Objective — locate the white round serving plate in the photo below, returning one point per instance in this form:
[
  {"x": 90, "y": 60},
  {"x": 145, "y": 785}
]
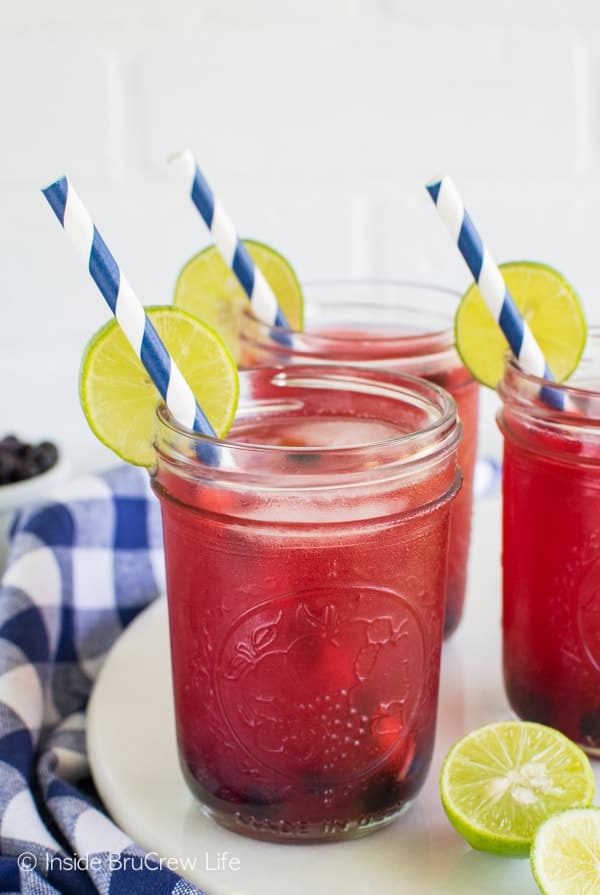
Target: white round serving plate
[{"x": 134, "y": 762}]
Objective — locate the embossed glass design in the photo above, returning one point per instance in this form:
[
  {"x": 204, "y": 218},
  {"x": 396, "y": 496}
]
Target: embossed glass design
[
  {"x": 401, "y": 326},
  {"x": 306, "y": 580},
  {"x": 551, "y": 552}
]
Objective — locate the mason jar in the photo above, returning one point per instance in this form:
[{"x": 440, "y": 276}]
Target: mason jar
[
  {"x": 306, "y": 561},
  {"x": 551, "y": 548}
]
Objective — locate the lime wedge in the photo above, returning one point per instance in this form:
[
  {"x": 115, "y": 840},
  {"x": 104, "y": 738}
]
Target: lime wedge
[
  {"x": 550, "y": 307},
  {"x": 565, "y": 857},
  {"x": 208, "y": 289},
  {"x": 119, "y": 400},
  {"x": 500, "y": 782}
]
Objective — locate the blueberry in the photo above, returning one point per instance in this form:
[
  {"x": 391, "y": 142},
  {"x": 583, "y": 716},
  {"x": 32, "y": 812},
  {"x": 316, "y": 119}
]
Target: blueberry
[
  {"x": 45, "y": 455},
  {"x": 381, "y": 794},
  {"x": 7, "y": 464},
  {"x": 254, "y": 797},
  {"x": 16, "y": 474},
  {"x": 7, "y": 454},
  {"x": 25, "y": 452},
  {"x": 10, "y": 443},
  {"x": 27, "y": 469},
  {"x": 306, "y": 458}
]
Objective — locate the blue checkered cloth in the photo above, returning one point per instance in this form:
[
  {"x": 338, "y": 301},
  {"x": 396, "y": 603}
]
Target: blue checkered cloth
[{"x": 78, "y": 572}]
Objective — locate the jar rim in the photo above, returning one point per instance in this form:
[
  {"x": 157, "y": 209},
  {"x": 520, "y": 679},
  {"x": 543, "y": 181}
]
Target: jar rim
[
  {"x": 582, "y": 401},
  {"x": 433, "y": 336},
  {"x": 428, "y": 409},
  {"x": 304, "y": 375}
]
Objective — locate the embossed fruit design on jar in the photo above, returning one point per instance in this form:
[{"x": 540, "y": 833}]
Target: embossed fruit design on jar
[
  {"x": 551, "y": 552},
  {"x": 352, "y": 659},
  {"x": 306, "y": 580}
]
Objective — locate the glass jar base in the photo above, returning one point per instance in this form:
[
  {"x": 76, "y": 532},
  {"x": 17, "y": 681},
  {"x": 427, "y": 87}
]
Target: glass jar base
[
  {"x": 334, "y": 830},
  {"x": 531, "y": 702}
]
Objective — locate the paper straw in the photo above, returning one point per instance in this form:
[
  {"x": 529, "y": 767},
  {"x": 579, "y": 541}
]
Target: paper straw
[
  {"x": 491, "y": 285},
  {"x": 128, "y": 311},
  {"x": 234, "y": 252}
]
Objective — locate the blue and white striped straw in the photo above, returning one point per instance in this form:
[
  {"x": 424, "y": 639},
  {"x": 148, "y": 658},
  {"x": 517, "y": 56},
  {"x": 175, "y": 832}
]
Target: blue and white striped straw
[
  {"x": 128, "y": 311},
  {"x": 492, "y": 285},
  {"x": 234, "y": 252}
]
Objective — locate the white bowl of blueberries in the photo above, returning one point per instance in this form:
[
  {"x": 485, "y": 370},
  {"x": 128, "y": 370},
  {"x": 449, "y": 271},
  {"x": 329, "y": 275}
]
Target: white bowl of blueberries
[{"x": 27, "y": 470}]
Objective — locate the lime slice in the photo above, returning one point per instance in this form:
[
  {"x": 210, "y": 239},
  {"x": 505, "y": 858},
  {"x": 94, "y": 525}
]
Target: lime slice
[
  {"x": 119, "y": 400},
  {"x": 550, "y": 307},
  {"x": 565, "y": 857},
  {"x": 207, "y": 288},
  {"x": 500, "y": 782}
]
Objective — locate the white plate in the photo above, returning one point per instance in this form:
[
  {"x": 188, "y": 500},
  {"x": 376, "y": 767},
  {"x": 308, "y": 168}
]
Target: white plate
[{"x": 134, "y": 762}]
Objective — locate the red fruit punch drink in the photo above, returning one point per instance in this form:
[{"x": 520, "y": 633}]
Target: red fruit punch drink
[
  {"x": 405, "y": 327},
  {"x": 306, "y": 576},
  {"x": 551, "y": 554}
]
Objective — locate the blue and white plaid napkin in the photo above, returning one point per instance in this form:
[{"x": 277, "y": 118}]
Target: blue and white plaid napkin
[{"x": 79, "y": 571}]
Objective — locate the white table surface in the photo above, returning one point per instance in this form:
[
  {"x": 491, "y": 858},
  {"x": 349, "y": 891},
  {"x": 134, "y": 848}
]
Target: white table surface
[{"x": 132, "y": 750}]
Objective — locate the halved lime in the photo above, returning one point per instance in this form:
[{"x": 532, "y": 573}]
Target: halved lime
[
  {"x": 500, "y": 782},
  {"x": 207, "y": 288},
  {"x": 119, "y": 399},
  {"x": 550, "y": 307},
  {"x": 565, "y": 857}
]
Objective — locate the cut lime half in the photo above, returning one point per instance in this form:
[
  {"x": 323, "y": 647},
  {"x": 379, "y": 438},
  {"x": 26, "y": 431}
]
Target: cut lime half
[
  {"x": 119, "y": 399},
  {"x": 550, "y": 307},
  {"x": 565, "y": 857},
  {"x": 500, "y": 782},
  {"x": 208, "y": 289}
]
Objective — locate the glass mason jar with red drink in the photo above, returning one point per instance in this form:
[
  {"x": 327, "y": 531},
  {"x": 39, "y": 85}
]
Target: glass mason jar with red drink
[
  {"x": 401, "y": 326},
  {"x": 306, "y": 577},
  {"x": 551, "y": 549}
]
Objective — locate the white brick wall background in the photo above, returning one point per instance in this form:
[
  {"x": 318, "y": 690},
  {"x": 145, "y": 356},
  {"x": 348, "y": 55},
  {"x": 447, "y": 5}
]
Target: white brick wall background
[{"x": 318, "y": 122}]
